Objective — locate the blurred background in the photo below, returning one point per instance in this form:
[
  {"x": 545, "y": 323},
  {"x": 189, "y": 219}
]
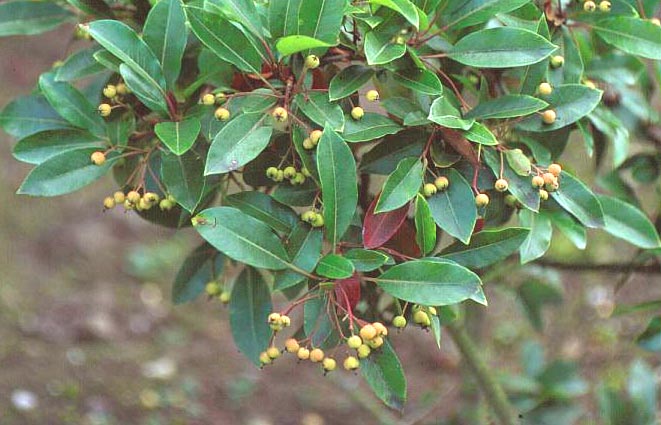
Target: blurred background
[{"x": 88, "y": 334}]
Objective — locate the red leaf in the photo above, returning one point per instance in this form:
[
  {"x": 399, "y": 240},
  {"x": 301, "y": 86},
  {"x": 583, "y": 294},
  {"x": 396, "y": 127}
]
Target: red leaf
[
  {"x": 404, "y": 240},
  {"x": 379, "y": 228},
  {"x": 348, "y": 289}
]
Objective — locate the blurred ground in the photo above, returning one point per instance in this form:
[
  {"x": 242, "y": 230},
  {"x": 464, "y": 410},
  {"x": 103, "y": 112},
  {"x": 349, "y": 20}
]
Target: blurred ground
[{"x": 85, "y": 341}]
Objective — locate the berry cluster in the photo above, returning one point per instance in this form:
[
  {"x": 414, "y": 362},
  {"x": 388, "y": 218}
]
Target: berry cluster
[
  {"x": 133, "y": 200},
  {"x": 313, "y": 217},
  {"x": 290, "y": 173},
  {"x": 115, "y": 94},
  {"x": 216, "y": 290}
]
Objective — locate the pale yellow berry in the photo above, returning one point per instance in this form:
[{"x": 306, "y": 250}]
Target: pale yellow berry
[
  {"x": 589, "y": 6},
  {"x": 291, "y": 345},
  {"x": 548, "y": 116},
  {"x": 375, "y": 342},
  {"x": 555, "y": 169},
  {"x": 429, "y": 189},
  {"x": 543, "y": 195},
  {"x": 105, "y": 109},
  {"x": 280, "y": 114},
  {"x": 289, "y": 172},
  {"x": 545, "y": 89},
  {"x": 307, "y": 144},
  {"x": 372, "y": 95},
  {"x": 538, "y": 181},
  {"x": 590, "y": 84},
  {"x": 98, "y": 158},
  {"x": 380, "y": 328},
  {"x": 311, "y": 62},
  {"x": 315, "y": 136},
  {"x": 273, "y": 352},
  {"x": 364, "y": 351},
  {"x": 357, "y": 112},
  {"x": 557, "y": 61},
  {"x": 329, "y": 364},
  {"x": 354, "y": 341},
  {"x": 482, "y": 200},
  {"x": 133, "y": 196},
  {"x": 399, "y": 322},
  {"x": 264, "y": 358},
  {"x": 122, "y": 89},
  {"x": 441, "y": 183},
  {"x": 351, "y": 363},
  {"x": 110, "y": 91},
  {"x": 316, "y": 355},
  {"x": 368, "y": 332},
  {"x": 303, "y": 353},
  {"x": 501, "y": 185},
  {"x": 605, "y": 6},
  {"x": 208, "y": 99},
  {"x": 222, "y": 114},
  {"x": 108, "y": 202}
]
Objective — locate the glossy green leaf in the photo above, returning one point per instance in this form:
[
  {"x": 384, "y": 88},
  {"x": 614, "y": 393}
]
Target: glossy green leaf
[
  {"x": 321, "y": 19},
  {"x": 201, "y": 266},
  {"x": 297, "y": 43},
  {"x": 538, "y": 240},
  {"x": 507, "y": 106},
  {"x": 381, "y": 49},
  {"x": 518, "y": 162},
  {"x": 226, "y": 229},
  {"x": 250, "y": 306},
  {"x": 93, "y": 7},
  {"x": 401, "y": 186},
  {"x": 283, "y": 18},
  {"x": 166, "y": 34},
  {"x": 403, "y": 7},
  {"x": 635, "y": 36},
  {"x": 454, "y": 208},
  {"x": 71, "y": 104},
  {"x": 568, "y": 226},
  {"x": 627, "y": 222},
  {"x": 297, "y": 196},
  {"x": 445, "y": 114},
  {"x": 39, "y": 147},
  {"x": 238, "y": 143},
  {"x": 263, "y": 207},
  {"x": 143, "y": 88},
  {"x": 107, "y": 59},
  {"x": 577, "y": 199},
  {"x": 317, "y": 324},
  {"x": 383, "y": 373},
  {"x": 366, "y": 260},
  {"x": 429, "y": 282},
  {"x": 425, "y": 227},
  {"x": 480, "y": 133},
  {"x": 385, "y": 156},
  {"x": 29, "y": 115},
  {"x": 183, "y": 176},
  {"x": 486, "y": 247},
  {"x": 501, "y": 47},
  {"x": 335, "y": 266},
  {"x": 178, "y": 136},
  {"x": 339, "y": 186},
  {"x": 31, "y": 17},
  {"x": 348, "y": 81},
  {"x": 320, "y": 109},
  {"x": 64, "y": 173},
  {"x": 419, "y": 80},
  {"x": 242, "y": 11},
  {"x": 370, "y": 127},
  {"x": 304, "y": 248},
  {"x": 79, "y": 65},
  {"x": 466, "y": 13}
]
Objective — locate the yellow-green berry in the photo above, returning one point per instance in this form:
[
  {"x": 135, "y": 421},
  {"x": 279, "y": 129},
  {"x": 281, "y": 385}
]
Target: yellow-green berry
[
  {"x": 224, "y": 297},
  {"x": 364, "y": 351},
  {"x": 273, "y": 352},
  {"x": 289, "y": 172},
  {"x": 545, "y": 89},
  {"x": 271, "y": 172},
  {"x": 399, "y": 322},
  {"x": 368, "y": 332},
  {"x": 108, "y": 202},
  {"x": 119, "y": 197},
  {"x": 311, "y": 62},
  {"x": 372, "y": 95},
  {"x": 557, "y": 61},
  {"x": 441, "y": 183},
  {"x": 605, "y": 6},
  {"x": 357, "y": 112},
  {"x": 329, "y": 364},
  {"x": 351, "y": 363},
  {"x": 280, "y": 114},
  {"x": 315, "y": 136},
  {"x": 482, "y": 200},
  {"x": 110, "y": 91},
  {"x": 208, "y": 99},
  {"x": 213, "y": 288},
  {"x": 501, "y": 185},
  {"x": 307, "y": 144},
  {"x": 354, "y": 341},
  {"x": 429, "y": 189},
  {"x": 105, "y": 109},
  {"x": 589, "y": 6},
  {"x": 222, "y": 114},
  {"x": 98, "y": 158}
]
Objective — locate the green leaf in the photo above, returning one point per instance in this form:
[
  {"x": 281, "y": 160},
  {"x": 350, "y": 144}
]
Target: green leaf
[
  {"x": 241, "y": 11},
  {"x": 317, "y": 323},
  {"x": 650, "y": 339},
  {"x": 339, "y": 184},
  {"x": 39, "y": 147},
  {"x": 31, "y": 17},
  {"x": 419, "y": 80},
  {"x": 28, "y": 115},
  {"x": 518, "y": 162},
  {"x": 577, "y": 199},
  {"x": 202, "y": 265},
  {"x": 348, "y": 81},
  {"x": 385, "y": 156},
  {"x": 429, "y": 282},
  {"x": 486, "y": 247},
  {"x": 370, "y": 127},
  {"x": 304, "y": 248},
  {"x": 297, "y": 43},
  {"x": 297, "y": 196},
  {"x": 366, "y": 260},
  {"x": 178, "y": 136},
  {"x": 150, "y": 95},
  {"x": 93, "y": 7},
  {"x": 79, "y": 65},
  {"x": 425, "y": 227},
  {"x": 508, "y": 106},
  {"x": 166, "y": 34},
  {"x": 183, "y": 176},
  {"x": 238, "y": 143},
  {"x": 224, "y": 39},
  {"x": 571, "y": 102},
  {"x": 519, "y": 186},
  {"x": 263, "y": 207},
  {"x": 538, "y": 240},
  {"x": 403, "y": 7},
  {"x": 635, "y": 36},
  {"x": 501, "y": 47},
  {"x": 283, "y": 18},
  {"x": 320, "y": 109},
  {"x": 480, "y": 133},
  {"x": 381, "y": 49},
  {"x": 627, "y": 222},
  {"x": 454, "y": 208},
  {"x": 445, "y": 114},
  {"x": 250, "y": 306},
  {"x": 383, "y": 372},
  {"x": 335, "y": 266},
  {"x": 64, "y": 173},
  {"x": 226, "y": 229},
  {"x": 467, "y": 13},
  {"x": 107, "y": 59},
  {"x": 568, "y": 225},
  {"x": 321, "y": 19},
  {"x": 71, "y": 104},
  {"x": 401, "y": 186}
]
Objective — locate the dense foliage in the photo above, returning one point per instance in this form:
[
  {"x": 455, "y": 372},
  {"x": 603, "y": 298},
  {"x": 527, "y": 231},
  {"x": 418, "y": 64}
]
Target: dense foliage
[{"x": 369, "y": 160}]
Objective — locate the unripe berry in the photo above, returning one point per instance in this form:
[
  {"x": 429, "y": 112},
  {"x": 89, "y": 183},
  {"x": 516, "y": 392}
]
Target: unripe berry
[
  {"x": 151, "y": 197},
  {"x": 590, "y": 84},
  {"x": 317, "y": 221},
  {"x": 224, "y": 297},
  {"x": 372, "y": 95},
  {"x": 511, "y": 201},
  {"x": 222, "y": 114},
  {"x": 315, "y": 136},
  {"x": 501, "y": 185},
  {"x": 122, "y": 89},
  {"x": 213, "y": 288},
  {"x": 285, "y": 320},
  {"x": 273, "y": 352},
  {"x": 557, "y": 61},
  {"x": 555, "y": 169},
  {"x": 380, "y": 328},
  {"x": 303, "y": 353},
  {"x": 364, "y": 351},
  {"x": 98, "y": 158},
  {"x": 264, "y": 358},
  {"x": 280, "y": 114},
  {"x": 299, "y": 178},
  {"x": 368, "y": 332},
  {"x": 545, "y": 89},
  {"x": 354, "y": 341},
  {"x": 589, "y": 6},
  {"x": 307, "y": 144},
  {"x": 399, "y": 322},
  {"x": 308, "y": 216},
  {"x": 110, "y": 91},
  {"x": 553, "y": 186},
  {"x": 329, "y": 364},
  {"x": 441, "y": 183},
  {"x": 311, "y": 62},
  {"x": 432, "y": 310},
  {"x": 166, "y": 205},
  {"x": 109, "y": 203},
  {"x": 273, "y": 318},
  {"x": 306, "y": 172},
  {"x": 133, "y": 196},
  {"x": 543, "y": 195},
  {"x": 316, "y": 355},
  {"x": 291, "y": 345},
  {"x": 538, "y": 181},
  {"x": 271, "y": 172},
  {"x": 289, "y": 172},
  {"x": 208, "y": 99},
  {"x": 549, "y": 178},
  {"x": 482, "y": 200},
  {"x": 128, "y": 205},
  {"x": 220, "y": 98},
  {"x": 105, "y": 109},
  {"x": 119, "y": 197},
  {"x": 605, "y": 6},
  {"x": 351, "y": 363},
  {"x": 656, "y": 21},
  {"x": 548, "y": 116},
  {"x": 429, "y": 189},
  {"x": 375, "y": 343},
  {"x": 400, "y": 40},
  {"x": 143, "y": 205},
  {"x": 421, "y": 318},
  {"x": 357, "y": 113},
  {"x": 280, "y": 176}
]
